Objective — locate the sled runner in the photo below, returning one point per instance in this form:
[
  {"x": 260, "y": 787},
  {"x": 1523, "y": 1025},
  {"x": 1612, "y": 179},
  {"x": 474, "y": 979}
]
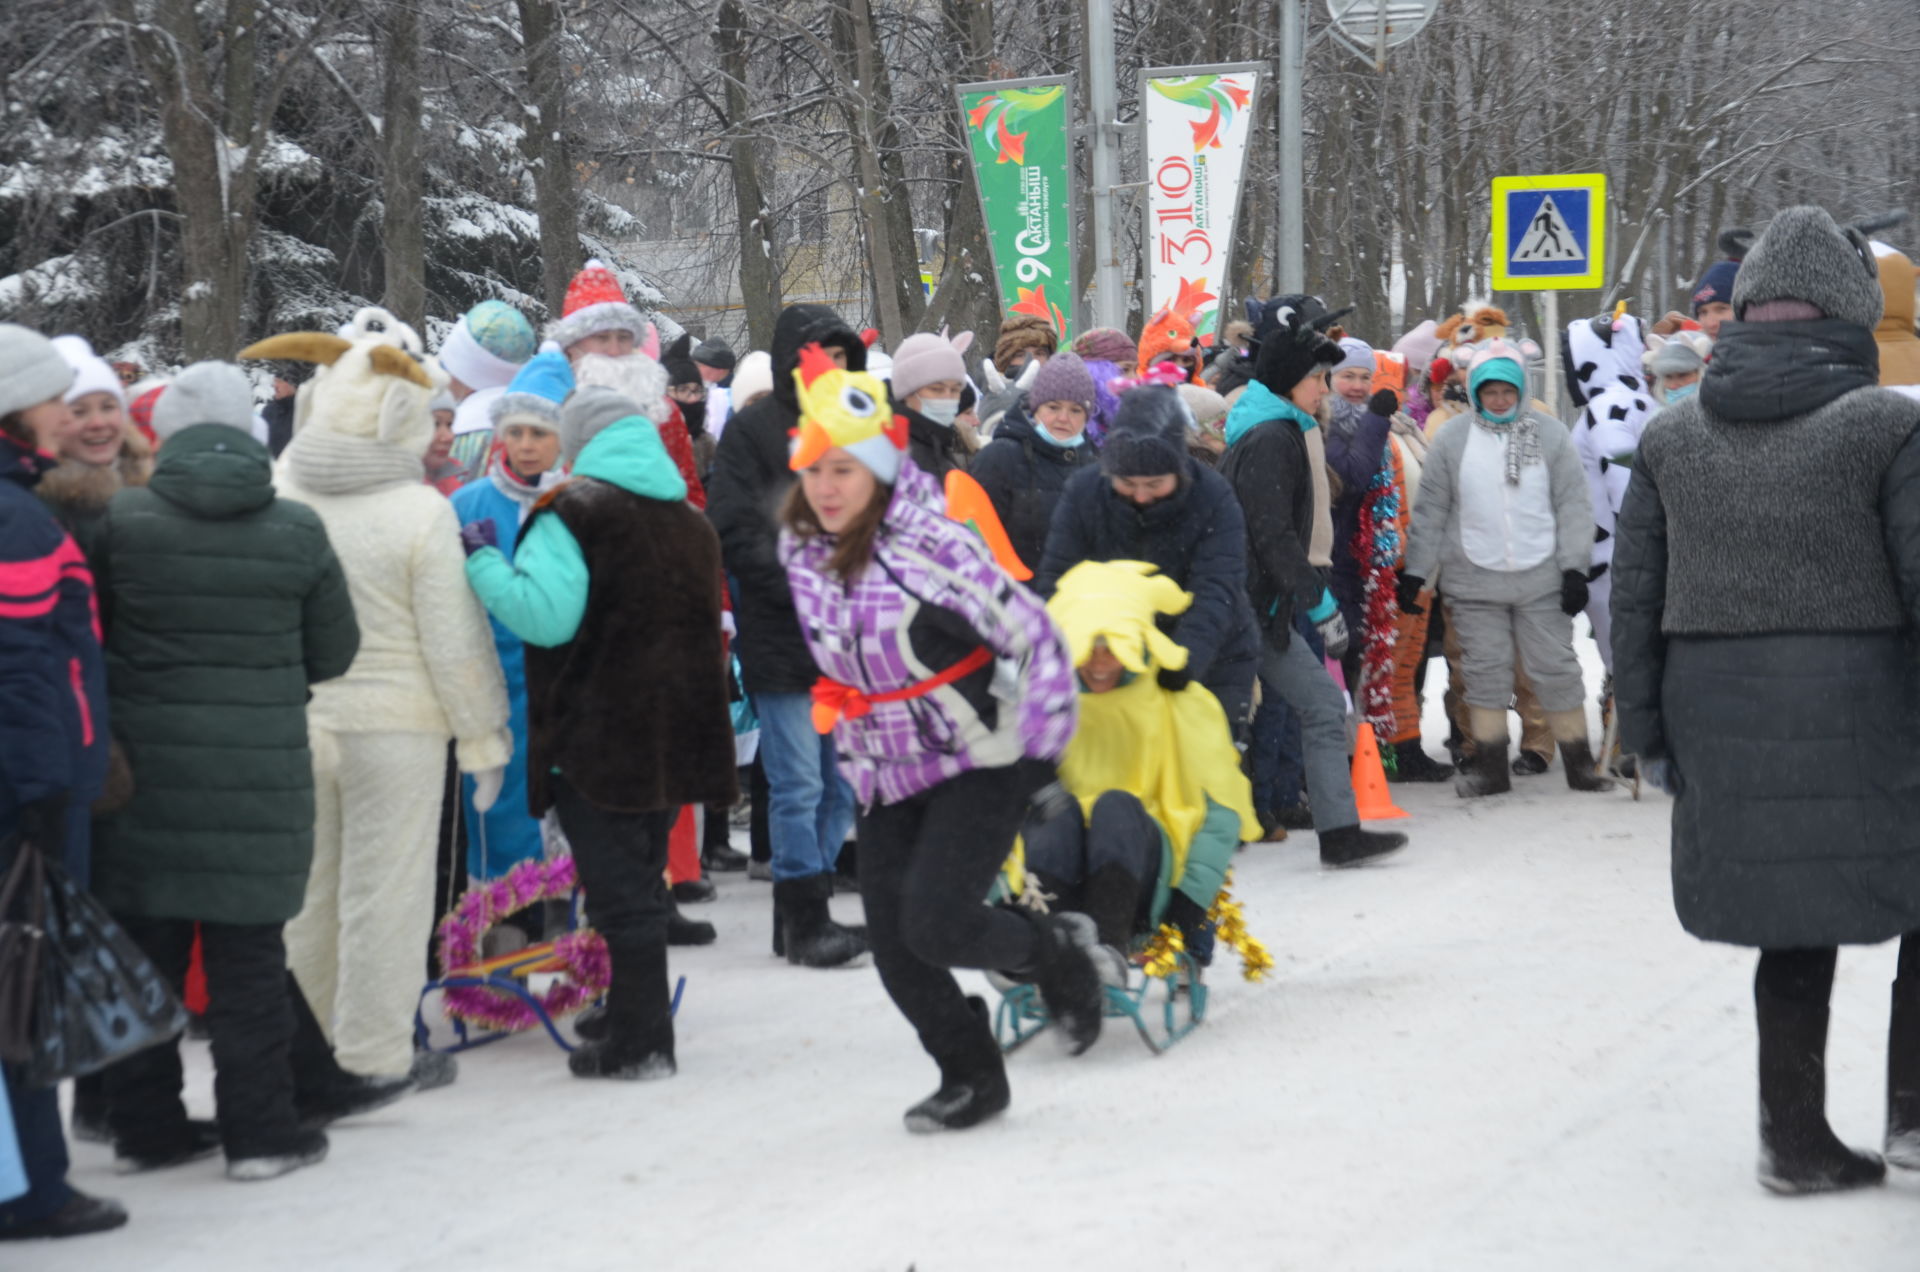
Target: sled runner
[
  {"x": 508, "y": 975},
  {"x": 1181, "y": 1006}
]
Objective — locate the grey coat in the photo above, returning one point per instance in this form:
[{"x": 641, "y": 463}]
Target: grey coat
[
  {"x": 1789, "y": 702},
  {"x": 1437, "y": 552}
]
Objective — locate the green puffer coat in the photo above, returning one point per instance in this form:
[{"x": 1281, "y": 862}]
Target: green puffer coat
[{"x": 222, "y": 605}]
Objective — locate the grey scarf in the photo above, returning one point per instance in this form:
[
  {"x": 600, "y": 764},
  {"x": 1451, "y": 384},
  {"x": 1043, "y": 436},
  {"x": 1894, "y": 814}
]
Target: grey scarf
[
  {"x": 1523, "y": 439},
  {"x": 335, "y": 464}
]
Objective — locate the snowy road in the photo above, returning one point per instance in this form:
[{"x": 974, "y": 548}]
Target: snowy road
[{"x": 1498, "y": 1051}]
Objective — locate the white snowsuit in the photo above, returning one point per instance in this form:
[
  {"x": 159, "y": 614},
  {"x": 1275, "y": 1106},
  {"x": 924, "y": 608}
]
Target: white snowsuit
[
  {"x": 426, "y": 672},
  {"x": 1608, "y": 373}
]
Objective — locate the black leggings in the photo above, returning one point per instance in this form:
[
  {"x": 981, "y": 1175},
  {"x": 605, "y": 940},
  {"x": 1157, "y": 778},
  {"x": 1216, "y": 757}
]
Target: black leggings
[
  {"x": 926, "y": 866},
  {"x": 1806, "y": 975}
]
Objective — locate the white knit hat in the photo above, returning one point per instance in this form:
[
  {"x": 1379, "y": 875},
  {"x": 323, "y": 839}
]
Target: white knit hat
[
  {"x": 753, "y": 375},
  {"x": 91, "y": 374},
  {"x": 31, "y": 369}
]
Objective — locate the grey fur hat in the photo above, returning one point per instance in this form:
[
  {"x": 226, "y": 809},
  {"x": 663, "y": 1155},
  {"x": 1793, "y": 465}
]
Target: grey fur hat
[{"x": 1804, "y": 255}]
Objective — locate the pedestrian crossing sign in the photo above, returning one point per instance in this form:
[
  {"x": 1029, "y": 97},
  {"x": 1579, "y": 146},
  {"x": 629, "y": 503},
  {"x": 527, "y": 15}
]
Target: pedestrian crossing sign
[{"x": 1550, "y": 232}]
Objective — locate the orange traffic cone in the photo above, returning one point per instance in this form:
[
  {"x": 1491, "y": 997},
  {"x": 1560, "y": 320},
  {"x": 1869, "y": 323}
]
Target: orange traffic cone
[{"x": 1370, "y": 792}]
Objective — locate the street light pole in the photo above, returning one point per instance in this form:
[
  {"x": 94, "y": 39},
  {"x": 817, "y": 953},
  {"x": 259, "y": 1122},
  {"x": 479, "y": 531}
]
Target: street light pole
[
  {"x": 1291, "y": 262},
  {"x": 1109, "y": 305}
]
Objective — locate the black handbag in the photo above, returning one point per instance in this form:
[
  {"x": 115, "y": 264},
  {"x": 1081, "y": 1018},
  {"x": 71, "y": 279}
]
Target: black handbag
[
  {"x": 22, "y": 936},
  {"x": 97, "y": 998}
]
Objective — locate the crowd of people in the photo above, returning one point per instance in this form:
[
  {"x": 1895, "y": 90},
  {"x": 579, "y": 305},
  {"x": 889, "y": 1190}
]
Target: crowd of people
[{"x": 278, "y": 683}]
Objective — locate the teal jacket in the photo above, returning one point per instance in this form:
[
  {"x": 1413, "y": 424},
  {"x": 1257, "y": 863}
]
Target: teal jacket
[
  {"x": 1209, "y": 857},
  {"x": 541, "y": 594}
]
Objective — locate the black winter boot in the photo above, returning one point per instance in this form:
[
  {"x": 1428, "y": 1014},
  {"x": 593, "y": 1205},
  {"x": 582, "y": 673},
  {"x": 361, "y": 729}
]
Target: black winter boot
[
  {"x": 682, "y": 930},
  {"x": 638, "y": 1045},
  {"x": 803, "y": 928},
  {"x": 973, "y": 1082},
  {"x": 1411, "y": 763},
  {"x": 197, "y": 1139},
  {"x": 1111, "y": 898},
  {"x": 1903, "y": 1075},
  {"x": 1799, "y": 1153},
  {"x": 1485, "y": 772},
  {"x": 323, "y": 1092},
  {"x": 1069, "y": 980},
  {"x": 79, "y": 1216},
  {"x": 270, "y": 1161},
  {"x": 1531, "y": 764},
  {"x": 1581, "y": 775},
  {"x": 1346, "y": 846},
  {"x": 89, "y": 1123}
]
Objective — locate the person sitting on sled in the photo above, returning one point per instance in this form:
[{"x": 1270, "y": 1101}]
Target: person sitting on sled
[{"x": 1158, "y": 801}]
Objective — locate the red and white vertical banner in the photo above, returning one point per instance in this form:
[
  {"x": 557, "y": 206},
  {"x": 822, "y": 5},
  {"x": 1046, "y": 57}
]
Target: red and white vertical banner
[{"x": 1197, "y": 121}]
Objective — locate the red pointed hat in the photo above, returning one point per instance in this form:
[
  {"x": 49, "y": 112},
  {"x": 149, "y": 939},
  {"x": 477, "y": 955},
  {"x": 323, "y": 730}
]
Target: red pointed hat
[{"x": 596, "y": 303}]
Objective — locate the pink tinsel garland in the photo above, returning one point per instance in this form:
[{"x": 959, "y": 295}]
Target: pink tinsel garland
[{"x": 588, "y": 970}]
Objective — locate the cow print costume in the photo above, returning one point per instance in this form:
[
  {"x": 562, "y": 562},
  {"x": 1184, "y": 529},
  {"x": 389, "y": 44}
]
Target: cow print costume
[{"x": 1605, "y": 375}]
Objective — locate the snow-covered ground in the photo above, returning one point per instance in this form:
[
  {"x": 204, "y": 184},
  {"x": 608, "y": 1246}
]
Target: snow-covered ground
[{"x": 1497, "y": 1051}]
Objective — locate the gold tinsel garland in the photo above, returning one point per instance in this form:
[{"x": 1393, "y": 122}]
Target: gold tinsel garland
[{"x": 1161, "y": 956}]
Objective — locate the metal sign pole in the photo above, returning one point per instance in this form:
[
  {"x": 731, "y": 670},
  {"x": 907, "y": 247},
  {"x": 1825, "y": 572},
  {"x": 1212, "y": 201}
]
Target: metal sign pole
[{"x": 1551, "y": 348}]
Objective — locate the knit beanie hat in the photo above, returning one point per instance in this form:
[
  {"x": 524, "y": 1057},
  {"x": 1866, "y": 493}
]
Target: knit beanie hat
[
  {"x": 1805, "y": 256},
  {"x": 1291, "y": 350},
  {"x": 677, "y": 361},
  {"x": 487, "y": 345},
  {"x": 1023, "y": 336},
  {"x": 91, "y": 374},
  {"x": 442, "y": 401},
  {"x": 1355, "y": 355},
  {"x": 927, "y": 359},
  {"x": 754, "y": 375},
  {"x": 714, "y": 353},
  {"x": 205, "y": 393},
  {"x": 1064, "y": 378},
  {"x": 1715, "y": 286},
  {"x": 537, "y": 391},
  {"x": 596, "y": 303},
  {"x": 1208, "y": 409},
  {"x": 1108, "y": 344},
  {"x": 1676, "y": 356},
  {"x": 636, "y": 376},
  {"x": 31, "y": 369},
  {"x": 1148, "y": 437}
]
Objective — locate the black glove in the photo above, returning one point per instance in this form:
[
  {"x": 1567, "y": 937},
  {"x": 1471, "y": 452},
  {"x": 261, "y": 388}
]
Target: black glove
[
  {"x": 1333, "y": 633},
  {"x": 1408, "y": 594},
  {"x": 43, "y": 824},
  {"x": 1384, "y": 403},
  {"x": 1047, "y": 798},
  {"x": 1573, "y": 592},
  {"x": 1174, "y": 681}
]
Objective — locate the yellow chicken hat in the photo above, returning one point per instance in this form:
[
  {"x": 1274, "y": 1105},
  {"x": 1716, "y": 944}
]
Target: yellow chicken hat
[
  {"x": 848, "y": 409},
  {"x": 1118, "y": 601}
]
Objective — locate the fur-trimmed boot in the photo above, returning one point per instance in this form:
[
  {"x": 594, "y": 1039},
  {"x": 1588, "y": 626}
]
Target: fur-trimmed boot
[
  {"x": 1570, "y": 731},
  {"x": 1487, "y": 771},
  {"x": 973, "y": 1081}
]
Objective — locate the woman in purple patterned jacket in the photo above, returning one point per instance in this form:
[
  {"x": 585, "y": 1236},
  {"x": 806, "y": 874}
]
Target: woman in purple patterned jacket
[{"x": 950, "y": 694}]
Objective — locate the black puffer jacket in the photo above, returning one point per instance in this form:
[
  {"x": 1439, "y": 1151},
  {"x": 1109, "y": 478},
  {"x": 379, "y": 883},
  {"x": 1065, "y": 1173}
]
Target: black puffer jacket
[
  {"x": 1025, "y": 476},
  {"x": 935, "y": 449},
  {"x": 750, "y": 481},
  {"x": 1196, "y": 536},
  {"x": 1766, "y": 599}
]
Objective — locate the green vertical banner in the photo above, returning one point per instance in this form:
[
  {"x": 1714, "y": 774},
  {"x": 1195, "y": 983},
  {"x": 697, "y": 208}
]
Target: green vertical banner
[{"x": 1018, "y": 132}]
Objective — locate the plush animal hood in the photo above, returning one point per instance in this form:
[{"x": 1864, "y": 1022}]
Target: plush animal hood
[
  {"x": 1603, "y": 351},
  {"x": 374, "y": 382}
]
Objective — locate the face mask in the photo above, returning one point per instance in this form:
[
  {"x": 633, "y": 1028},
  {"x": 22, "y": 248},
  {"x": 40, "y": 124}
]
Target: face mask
[
  {"x": 1078, "y": 439},
  {"x": 942, "y": 411},
  {"x": 1682, "y": 393},
  {"x": 695, "y": 416}
]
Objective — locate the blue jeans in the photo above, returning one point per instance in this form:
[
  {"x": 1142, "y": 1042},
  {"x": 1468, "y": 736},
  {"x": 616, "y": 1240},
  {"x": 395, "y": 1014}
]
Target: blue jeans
[{"x": 811, "y": 807}]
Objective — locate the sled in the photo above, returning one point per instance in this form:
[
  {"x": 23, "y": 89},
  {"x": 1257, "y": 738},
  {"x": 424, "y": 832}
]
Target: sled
[
  {"x": 1612, "y": 761},
  {"x": 1182, "y": 1006},
  {"x": 507, "y": 974}
]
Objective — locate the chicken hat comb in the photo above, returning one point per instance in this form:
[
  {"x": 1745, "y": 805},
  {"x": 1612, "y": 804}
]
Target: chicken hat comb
[
  {"x": 848, "y": 409},
  {"x": 1119, "y": 602}
]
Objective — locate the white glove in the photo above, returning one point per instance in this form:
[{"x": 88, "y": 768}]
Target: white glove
[{"x": 486, "y": 788}]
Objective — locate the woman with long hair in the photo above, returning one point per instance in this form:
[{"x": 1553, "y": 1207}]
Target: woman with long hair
[{"x": 949, "y": 694}]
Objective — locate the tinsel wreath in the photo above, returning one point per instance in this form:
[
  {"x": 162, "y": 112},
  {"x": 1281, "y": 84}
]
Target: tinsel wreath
[
  {"x": 1161, "y": 957},
  {"x": 583, "y": 953},
  {"x": 1376, "y": 546}
]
